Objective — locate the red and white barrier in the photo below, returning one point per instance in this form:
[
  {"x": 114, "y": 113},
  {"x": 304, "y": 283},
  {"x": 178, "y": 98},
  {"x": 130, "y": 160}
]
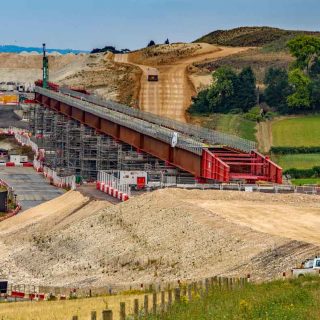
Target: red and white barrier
[
  {"x": 112, "y": 186},
  {"x": 60, "y": 182},
  {"x": 12, "y": 164}
]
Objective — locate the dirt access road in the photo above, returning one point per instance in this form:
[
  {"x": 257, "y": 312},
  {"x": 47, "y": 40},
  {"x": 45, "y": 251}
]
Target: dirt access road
[{"x": 171, "y": 95}]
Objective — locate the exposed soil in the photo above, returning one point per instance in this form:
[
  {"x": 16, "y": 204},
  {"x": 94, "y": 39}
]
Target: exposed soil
[
  {"x": 162, "y": 236},
  {"x": 171, "y": 95},
  {"x": 95, "y": 72},
  {"x": 264, "y": 136}
]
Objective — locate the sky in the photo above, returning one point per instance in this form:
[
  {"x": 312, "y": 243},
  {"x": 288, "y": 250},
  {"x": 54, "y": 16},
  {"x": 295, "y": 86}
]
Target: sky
[{"x": 88, "y": 24}]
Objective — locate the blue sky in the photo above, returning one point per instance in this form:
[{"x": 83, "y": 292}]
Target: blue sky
[{"x": 85, "y": 24}]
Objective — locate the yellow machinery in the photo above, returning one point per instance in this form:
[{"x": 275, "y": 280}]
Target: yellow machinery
[{"x": 9, "y": 99}]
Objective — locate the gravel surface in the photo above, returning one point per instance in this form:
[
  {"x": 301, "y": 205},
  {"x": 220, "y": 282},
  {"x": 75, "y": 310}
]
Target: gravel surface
[
  {"x": 161, "y": 236},
  {"x": 31, "y": 188}
]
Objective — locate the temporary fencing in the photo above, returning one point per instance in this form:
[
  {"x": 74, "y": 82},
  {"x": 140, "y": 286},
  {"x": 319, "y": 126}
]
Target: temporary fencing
[
  {"x": 60, "y": 182},
  {"x": 111, "y": 185},
  {"x": 23, "y": 139}
]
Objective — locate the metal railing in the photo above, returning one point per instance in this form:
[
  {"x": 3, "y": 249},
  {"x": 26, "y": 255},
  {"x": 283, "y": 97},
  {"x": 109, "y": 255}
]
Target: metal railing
[
  {"x": 113, "y": 182},
  {"x": 153, "y": 130},
  {"x": 61, "y": 182},
  {"x": 201, "y": 134},
  {"x": 306, "y": 189}
]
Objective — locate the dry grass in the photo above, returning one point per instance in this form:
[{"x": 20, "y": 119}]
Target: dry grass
[
  {"x": 258, "y": 59},
  {"x": 64, "y": 310},
  {"x": 250, "y": 36}
]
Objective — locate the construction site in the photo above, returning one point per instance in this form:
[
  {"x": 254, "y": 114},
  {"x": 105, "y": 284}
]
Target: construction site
[
  {"x": 103, "y": 153},
  {"x": 81, "y": 138}
]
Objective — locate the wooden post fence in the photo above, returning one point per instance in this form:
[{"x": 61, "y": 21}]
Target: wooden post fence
[
  {"x": 136, "y": 309},
  {"x": 122, "y": 311},
  {"x": 107, "y": 315},
  {"x": 93, "y": 315},
  {"x": 154, "y": 303},
  {"x": 146, "y": 305}
]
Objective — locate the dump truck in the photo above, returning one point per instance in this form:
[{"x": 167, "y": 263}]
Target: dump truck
[
  {"x": 308, "y": 267},
  {"x": 3, "y": 287},
  {"x": 152, "y": 75}
]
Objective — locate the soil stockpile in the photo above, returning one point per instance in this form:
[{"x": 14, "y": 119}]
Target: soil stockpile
[{"x": 161, "y": 236}]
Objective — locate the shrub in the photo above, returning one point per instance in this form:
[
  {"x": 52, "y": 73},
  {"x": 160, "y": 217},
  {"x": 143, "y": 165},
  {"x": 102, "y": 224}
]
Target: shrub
[
  {"x": 295, "y": 150},
  {"x": 254, "y": 114},
  {"x": 303, "y": 173}
]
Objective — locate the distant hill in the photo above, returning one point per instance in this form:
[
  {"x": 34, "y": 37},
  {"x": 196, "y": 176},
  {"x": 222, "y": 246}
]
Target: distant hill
[
  {"x": 251, "y": 36},
  {"x": 18, "y": 49}
]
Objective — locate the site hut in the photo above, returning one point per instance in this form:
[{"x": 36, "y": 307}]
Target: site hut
[{"x": 135, "y": 179}]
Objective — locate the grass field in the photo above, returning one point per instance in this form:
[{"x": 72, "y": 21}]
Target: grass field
[
  {"x": 298, "y": 161},
  {"x": 294, "y": 300},
  {"x": 297, "y": 132},
  {"x": 229, "y": 123}
]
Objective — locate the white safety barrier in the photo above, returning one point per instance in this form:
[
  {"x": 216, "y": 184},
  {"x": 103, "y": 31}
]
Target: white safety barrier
[
  {"x": 112, "y": 186},
  {"x": 23, "y": 139},
  {"x": 60, "y": 182}
]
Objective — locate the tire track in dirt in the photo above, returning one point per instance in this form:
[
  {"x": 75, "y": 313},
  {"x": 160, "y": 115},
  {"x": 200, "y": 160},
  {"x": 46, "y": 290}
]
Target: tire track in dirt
[
  {"x": 171, "y": 95},
  {"x": 264, "y": 136}
]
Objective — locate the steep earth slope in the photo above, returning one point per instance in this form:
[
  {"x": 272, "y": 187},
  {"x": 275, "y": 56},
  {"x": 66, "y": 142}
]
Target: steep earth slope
[
  {"x": 251, "y": 36},
  {"x": 94, "y": 72},
  {"x": 160, "y": 236},
  {"x": 171, "y": 95}
]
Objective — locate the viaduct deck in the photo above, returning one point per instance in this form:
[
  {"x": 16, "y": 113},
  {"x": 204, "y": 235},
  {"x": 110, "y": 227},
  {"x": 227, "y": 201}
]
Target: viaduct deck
[{"x": 188, "y": 147}]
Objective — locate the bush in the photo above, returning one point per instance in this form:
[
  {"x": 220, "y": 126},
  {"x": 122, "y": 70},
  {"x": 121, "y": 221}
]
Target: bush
[
  {"x": 254, "y": 114},
  {"x": 294, "y": 150},
  {"x": 303, "y": 173}
]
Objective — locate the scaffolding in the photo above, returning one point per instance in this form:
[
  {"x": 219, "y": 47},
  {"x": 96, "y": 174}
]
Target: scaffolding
[{"x": 72, "y": 148}]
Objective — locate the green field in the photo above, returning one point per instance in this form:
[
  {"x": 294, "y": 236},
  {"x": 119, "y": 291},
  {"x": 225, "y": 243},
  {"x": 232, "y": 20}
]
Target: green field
[
  {"x": 302, "y": 182},
  {"x": 280, "y": 300},
  {"x": 298, "y": 161},
  {"x": 229, "y": 123},
  {"x": 297, "y": 132}
]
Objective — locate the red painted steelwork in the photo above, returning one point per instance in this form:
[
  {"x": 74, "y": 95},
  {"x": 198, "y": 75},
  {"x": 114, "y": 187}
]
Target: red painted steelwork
[
  {"x": 213, "y": 168},
  {"x": 220, "y": 164}
]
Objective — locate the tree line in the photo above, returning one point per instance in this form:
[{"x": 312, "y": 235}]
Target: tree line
[
  {"x": 114, "y": 50},
  {"x": 286, "y": 91}
]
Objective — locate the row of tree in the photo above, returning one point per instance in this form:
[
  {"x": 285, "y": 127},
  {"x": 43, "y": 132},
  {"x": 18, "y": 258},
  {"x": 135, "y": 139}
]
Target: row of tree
[
  {"x": 152, "y": 43},
  {"x": 296, "y": 90},
  {"x": 230, "y": 92},
  {"x": 110, "y": 49},
  {"x": 115, "y": 50}
]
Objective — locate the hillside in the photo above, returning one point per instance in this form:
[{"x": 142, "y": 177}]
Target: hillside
[
  {"x": 19, "y": 49},
  {"x": 95, "y": 72},
  {"x": 162, "y": 236},
  {"x": 250, "y": 36},
  {"x": 171, "y": 95},
  {"x": 259, "y": 60}
]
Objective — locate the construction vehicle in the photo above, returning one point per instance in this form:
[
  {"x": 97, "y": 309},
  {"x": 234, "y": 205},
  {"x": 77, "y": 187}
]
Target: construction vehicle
[
  {"x": 308, "y": 267},
  {"x": 152, "y": 75},
  {"x": 3, "y": 287}
]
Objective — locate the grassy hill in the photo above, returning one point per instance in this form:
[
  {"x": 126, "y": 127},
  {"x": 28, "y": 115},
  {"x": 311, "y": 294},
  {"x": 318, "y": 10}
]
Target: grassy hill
[
  {"x": 259, "y": 59},
  {"x": 251, "y": 36},
  {"x": 278, "y": 300}
]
